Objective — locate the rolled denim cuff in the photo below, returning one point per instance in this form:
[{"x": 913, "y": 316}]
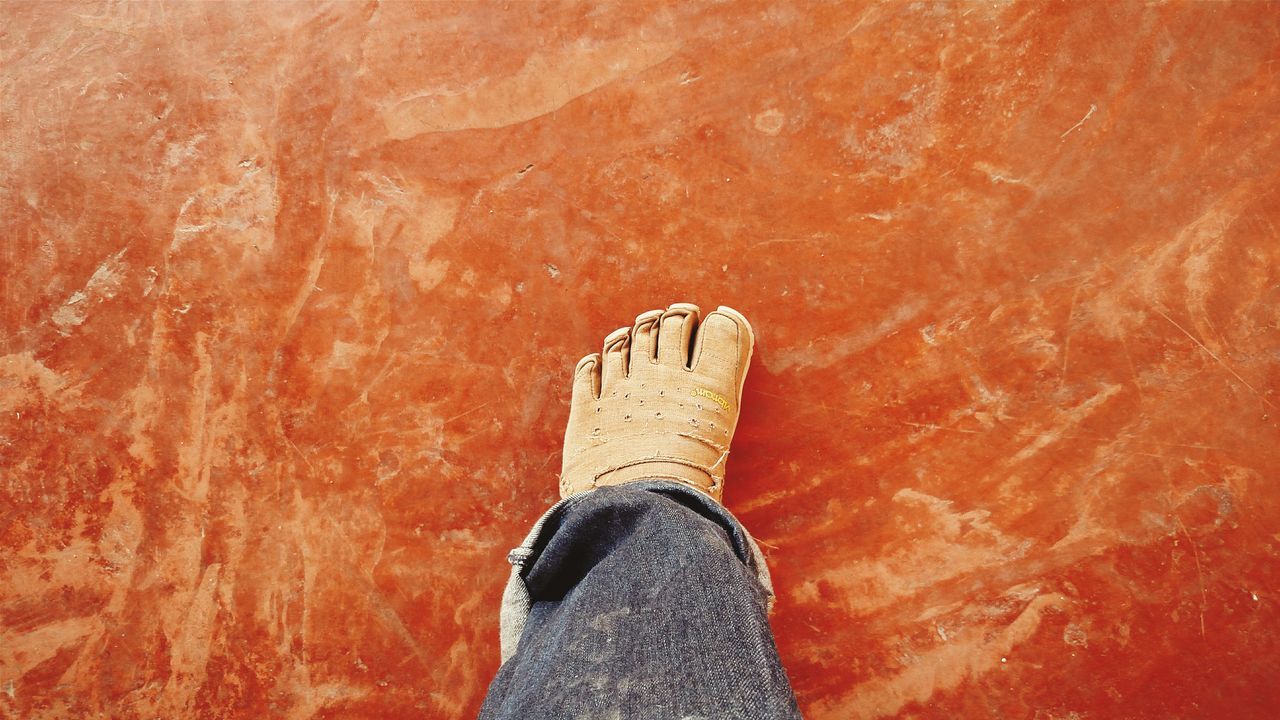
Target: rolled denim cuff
[{"x": 516, "y": 601}]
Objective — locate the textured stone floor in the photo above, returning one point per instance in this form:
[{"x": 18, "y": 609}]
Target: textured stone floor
[{"x": 290, "y": 295}]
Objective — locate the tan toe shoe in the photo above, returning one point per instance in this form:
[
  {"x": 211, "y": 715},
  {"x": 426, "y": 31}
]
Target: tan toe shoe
[{"x": 660, "y": 402}]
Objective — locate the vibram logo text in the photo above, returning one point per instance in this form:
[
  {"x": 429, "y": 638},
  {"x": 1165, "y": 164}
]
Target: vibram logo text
[{"x": 715, "y": 397}]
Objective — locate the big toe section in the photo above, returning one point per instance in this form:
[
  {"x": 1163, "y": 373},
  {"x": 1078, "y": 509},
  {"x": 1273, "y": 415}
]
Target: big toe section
[{"x": 722, "y": 350}]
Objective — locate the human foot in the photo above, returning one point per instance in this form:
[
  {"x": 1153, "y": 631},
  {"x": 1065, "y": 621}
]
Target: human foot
[{"x": 661, "y": 402}]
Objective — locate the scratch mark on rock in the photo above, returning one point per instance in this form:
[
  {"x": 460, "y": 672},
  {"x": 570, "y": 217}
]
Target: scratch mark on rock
[
  {"x": 1195, "y": 555},
  {"x": 1219, "y": 360},
  {"x": 1092, "y": 109}
]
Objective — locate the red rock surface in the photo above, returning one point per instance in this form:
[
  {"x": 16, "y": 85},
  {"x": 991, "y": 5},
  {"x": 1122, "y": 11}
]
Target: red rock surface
[{"x": 291, "y": 294}]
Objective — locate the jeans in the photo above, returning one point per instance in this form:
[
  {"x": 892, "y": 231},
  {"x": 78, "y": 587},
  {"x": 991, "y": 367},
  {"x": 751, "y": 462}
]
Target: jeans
[{"x": 645, "y": 600}]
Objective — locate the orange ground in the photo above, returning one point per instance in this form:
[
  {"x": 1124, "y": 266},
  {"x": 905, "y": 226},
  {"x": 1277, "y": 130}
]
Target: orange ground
[{"x": 291, "y": 294}]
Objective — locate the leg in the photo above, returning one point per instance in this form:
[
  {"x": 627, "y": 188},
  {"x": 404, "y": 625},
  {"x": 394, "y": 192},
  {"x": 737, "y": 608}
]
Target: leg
[
  {"x": 645, "y": 604},
  {"x": 639, "y": 595}
]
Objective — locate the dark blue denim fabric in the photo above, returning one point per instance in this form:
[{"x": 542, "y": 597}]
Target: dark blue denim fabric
[{"x": 644, "y": 602}]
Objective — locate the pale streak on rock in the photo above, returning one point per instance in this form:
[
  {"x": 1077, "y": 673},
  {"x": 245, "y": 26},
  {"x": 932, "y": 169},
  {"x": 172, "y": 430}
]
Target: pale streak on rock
[
  {"x": 194, "y": 454},
  {"x": 947, "y": 544},
  {"x": 436, "y": 220},
  {"x": 968, "y": 654},
  {"x": 1121, "y": 307},
  {"x": 104, "y": 284},
  {"x": 545, "y": 84},
  {"x": 830, "y": 351},
  {"x": 190, "y": 650},
  {"x": 20, "y": 651},
  {"x": 1195, "y": 243},
  {"x": 1069, "y": 419},
  {"x": 24, "y": 380}
]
